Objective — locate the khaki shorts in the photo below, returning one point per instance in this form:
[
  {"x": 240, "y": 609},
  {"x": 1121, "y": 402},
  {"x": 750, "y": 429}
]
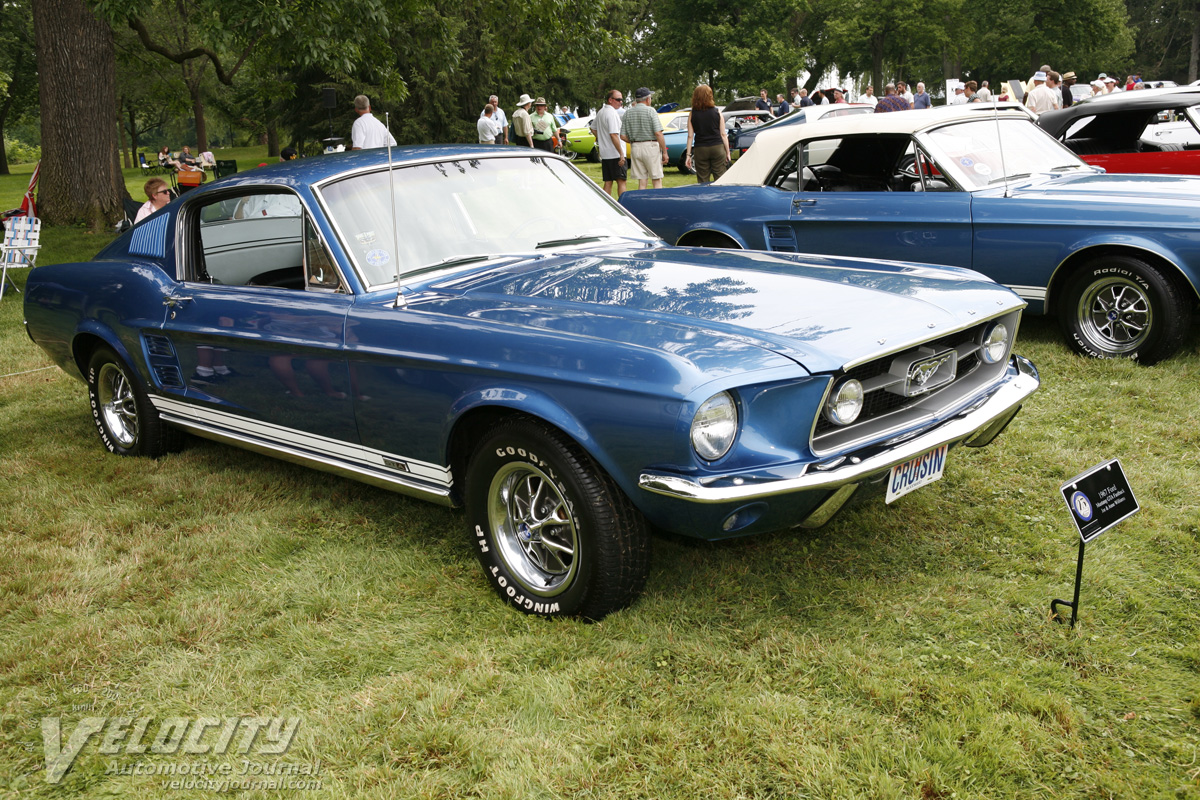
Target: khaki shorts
[{"x": 647, "y": 161}]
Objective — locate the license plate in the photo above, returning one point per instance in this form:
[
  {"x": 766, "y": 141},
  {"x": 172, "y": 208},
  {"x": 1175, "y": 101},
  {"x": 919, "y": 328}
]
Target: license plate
[{"x": 913, "y": 474}]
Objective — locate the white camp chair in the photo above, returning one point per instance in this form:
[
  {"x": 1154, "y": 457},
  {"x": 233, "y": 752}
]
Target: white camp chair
[{"x": 19, "y": 248}]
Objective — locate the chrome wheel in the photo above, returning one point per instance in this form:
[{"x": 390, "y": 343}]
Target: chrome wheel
[
  {"x": 1115, "y": 314},
  {"x": 118, "y": 406},
  {"x": 534, "y": 528}
]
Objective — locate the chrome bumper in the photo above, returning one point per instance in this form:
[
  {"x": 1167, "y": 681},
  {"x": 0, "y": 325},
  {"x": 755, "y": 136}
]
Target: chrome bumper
[{"x": 977, "y": 425}]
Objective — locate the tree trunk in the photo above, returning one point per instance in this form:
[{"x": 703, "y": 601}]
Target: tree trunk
[
  {"x": 272, "y": 139},
  {"x": 198, "y": 113},
  {"x": 121, "y": 134},
  {"x": 4, "y": 107},
  {"x": 1194, "y": 61},
  {"x": 134, "y": 138},
  {"x": 77, "y": 79}
]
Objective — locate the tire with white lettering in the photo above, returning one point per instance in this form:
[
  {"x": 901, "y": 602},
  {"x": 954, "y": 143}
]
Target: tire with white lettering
[
  {"x": 1119, "y": 306},
  {"x": 555, "y": 535},
  {"x": 125, "y": 418}
]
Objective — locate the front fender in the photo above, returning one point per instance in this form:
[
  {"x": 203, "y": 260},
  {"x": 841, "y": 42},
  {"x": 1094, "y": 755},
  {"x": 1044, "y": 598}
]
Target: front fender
[
  {"x": 1181, "y": 258},
  {"x": 605, "y": 434}
]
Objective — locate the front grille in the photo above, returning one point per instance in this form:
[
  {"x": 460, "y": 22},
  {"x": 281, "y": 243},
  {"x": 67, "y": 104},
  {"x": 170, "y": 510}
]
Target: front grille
[{"x": 886, "y": 407}]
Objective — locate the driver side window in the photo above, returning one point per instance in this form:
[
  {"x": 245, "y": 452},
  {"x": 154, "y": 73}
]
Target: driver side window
[{"x": 260, "y": 239}]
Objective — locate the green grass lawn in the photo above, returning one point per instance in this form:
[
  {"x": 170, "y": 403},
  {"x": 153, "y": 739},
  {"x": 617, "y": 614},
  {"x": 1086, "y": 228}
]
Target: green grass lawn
[{"x": 900, "y": 652}]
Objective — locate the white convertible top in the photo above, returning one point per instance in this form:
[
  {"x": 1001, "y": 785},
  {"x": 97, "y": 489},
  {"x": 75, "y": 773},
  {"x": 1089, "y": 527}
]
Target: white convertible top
[{"x": 752, "y": 168}]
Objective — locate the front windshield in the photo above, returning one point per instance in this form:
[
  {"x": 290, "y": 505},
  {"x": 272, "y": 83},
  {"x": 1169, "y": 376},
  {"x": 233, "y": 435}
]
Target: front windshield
[
  {"x": 971, "y": 151},
  {"x": 457, "y": 209}
]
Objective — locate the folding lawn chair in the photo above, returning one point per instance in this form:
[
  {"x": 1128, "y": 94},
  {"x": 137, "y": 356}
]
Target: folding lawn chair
[{"x": 19, "y": 247}]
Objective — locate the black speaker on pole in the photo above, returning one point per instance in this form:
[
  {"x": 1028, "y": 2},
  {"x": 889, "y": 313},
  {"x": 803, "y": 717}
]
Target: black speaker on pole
[{"x": 329, "y": 98}]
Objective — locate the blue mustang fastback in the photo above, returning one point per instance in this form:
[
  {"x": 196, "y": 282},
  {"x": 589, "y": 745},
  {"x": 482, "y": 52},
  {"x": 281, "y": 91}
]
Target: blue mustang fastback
[
  {"x": 483, "y": 326},
  {"x": 1116, "y": 257}
]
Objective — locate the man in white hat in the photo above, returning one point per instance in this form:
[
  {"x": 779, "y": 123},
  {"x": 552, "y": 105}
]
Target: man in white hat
[
  {"x": 521, "y": 124},
  {"x": 1044, "y": 96},
  {"x": 1110, "y": 85}
]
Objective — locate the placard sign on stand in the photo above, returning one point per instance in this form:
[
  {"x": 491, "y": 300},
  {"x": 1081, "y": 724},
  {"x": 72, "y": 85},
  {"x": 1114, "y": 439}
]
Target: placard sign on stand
[{"x": 1097, "y": 499}]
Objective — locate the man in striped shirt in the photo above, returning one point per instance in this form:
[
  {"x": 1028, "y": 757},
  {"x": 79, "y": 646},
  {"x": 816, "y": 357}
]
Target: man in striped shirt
[{"x": 642, "y": 128}]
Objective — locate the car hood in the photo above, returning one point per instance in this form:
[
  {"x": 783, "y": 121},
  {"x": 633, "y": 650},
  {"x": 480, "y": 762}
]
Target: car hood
[
  {"x": 1115, "y": 189},
  {"x": 742, "y": 309}
]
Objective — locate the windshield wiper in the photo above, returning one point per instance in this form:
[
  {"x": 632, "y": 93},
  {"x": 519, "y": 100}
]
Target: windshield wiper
[
  {"x": 1009, "y": 178},
  {"x": 587, "y": 237},
  {"x": 452, "y": 261}
]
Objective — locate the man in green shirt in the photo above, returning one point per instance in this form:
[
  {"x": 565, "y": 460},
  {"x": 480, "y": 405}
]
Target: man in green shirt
[{"x": 642, "y": 128}]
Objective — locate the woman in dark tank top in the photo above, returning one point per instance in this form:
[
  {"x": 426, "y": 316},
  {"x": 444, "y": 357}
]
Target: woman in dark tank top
[{"x": 707, "y": 144}]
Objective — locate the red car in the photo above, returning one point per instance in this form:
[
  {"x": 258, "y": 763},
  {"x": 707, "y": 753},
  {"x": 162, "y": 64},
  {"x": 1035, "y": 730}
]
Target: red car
[{"x": 1148, "y": 130}]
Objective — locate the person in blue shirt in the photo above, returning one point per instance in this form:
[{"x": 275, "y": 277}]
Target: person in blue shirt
[
  {"x": 921, "y": 98},
  {"x": 784, "y": 108}
]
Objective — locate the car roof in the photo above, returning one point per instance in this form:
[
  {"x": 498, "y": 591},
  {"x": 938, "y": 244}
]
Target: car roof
[
  {"x": 770, "y": 145},
  {"x": 1137, "y": 101},
  {"x": 307, "y": 171}
]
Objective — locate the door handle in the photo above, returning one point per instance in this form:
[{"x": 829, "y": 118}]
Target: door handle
[
  {"x": 173, "y": 300},
  {"x": 799, "y": 202}
]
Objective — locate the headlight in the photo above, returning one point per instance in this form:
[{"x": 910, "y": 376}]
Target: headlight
[
  {"x": 714, "y": 427},
  {"x": 995, "y": 343},
  {"x": 845, "y": 402}
]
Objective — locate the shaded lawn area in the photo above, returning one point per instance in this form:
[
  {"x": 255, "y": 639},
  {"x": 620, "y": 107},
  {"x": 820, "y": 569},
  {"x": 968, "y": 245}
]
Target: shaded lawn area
[{"x": 901, "y": 651}]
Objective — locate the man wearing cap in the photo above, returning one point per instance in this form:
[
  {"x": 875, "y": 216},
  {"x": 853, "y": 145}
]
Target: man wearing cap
[
  {"x": 608, "y": 139},
  {"x": 544, "y": 126},
  {"x": 522, "y": 127},
  {"x": 642, "y": 128},
  {"x": 368, "y": 132},
  {"x": 1045, "y": 95},
  {"x": 1110, "y": 85},
  {"x": 1068, "y": 80}
]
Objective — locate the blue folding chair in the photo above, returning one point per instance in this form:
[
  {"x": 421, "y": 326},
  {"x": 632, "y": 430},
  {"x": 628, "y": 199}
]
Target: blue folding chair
[{"x": 19, "y": 247}]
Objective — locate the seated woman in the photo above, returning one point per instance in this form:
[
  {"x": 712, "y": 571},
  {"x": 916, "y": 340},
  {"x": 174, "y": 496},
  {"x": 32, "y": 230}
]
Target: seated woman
[
  {"x": 165, "y": 161},
  {"x": 157, "y": 194},
  {"x": 188, "y": 161}
]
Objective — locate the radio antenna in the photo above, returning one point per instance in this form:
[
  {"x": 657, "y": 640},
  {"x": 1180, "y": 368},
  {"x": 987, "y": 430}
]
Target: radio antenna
[
  {"x": 1000, "y": 143},
  {"x": 387, "y": 116}
]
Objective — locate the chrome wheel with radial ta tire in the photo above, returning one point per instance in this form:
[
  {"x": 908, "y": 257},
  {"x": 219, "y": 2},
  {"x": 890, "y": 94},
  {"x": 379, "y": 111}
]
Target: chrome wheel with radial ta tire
[
  {"x": 126, "y": 420},
  {"x": 1119, "y": 306},
  {"x": 555, "y": 536}
]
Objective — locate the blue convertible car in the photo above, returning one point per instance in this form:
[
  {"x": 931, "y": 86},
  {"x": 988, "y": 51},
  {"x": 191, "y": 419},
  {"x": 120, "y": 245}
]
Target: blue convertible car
[
  {"x": 1116, "y": 257},
  {"x": 483, "y": 326}
]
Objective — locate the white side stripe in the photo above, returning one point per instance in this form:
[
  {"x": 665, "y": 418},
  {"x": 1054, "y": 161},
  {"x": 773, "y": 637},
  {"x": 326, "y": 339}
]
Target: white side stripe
[{"x": 321, "y": 445}]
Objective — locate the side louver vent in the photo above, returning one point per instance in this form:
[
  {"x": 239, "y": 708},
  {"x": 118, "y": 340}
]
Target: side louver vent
[
  {"x": 781, "y": 238},
  {"x": 169, "y": 377},
  {"x": 159, "y": 346}
]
